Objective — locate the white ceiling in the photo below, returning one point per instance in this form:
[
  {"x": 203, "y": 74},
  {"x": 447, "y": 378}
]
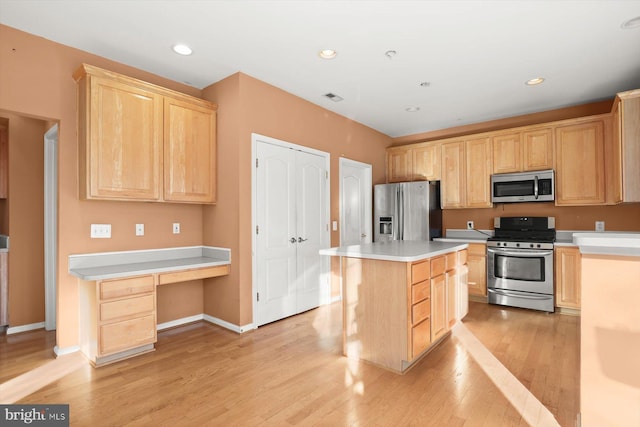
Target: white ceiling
[{"x": 475, "y": 54}]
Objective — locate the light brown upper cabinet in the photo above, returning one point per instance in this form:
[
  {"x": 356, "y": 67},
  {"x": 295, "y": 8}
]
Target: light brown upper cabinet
[
  {"x": 426, "y": 162},
  {"x": 526, "y": 150},
  {"x": 466, "y": 174},
  {"x": 507, "y": 153},
  {"x": 189, "y": 152},
  {"x": 623, "y": 154},
  {"x": 399, "y": 164},
  {"x": 453, "y": 184},
  {"x": 478, "y": 158},
  {"x": 579, "y": 155},
  {"x": 537, "y": 149},
  {"x": 142, "y": 142},
  {"x": 419, "y": 162}
]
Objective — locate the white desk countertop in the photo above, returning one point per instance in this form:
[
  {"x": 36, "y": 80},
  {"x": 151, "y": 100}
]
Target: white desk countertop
[
  {"x": 397, "y": 250},
  {"x": 109, "y": 265}
]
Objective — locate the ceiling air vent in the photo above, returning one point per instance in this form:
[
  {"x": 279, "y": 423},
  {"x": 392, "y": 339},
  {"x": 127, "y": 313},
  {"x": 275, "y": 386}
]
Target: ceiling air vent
[{"x": 333, "y": 97}]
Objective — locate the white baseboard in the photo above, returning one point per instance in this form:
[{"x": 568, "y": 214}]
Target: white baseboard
[
  {"x": 207, "y": 318},
  {"x": 227, "y": 325},
  {"x": 179, "y": 322},
  {"x": 25, "y": 328},
  {"x": 64, "y": 351}
]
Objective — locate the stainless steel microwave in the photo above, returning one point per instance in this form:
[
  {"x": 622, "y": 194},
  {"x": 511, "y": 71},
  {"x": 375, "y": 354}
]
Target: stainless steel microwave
[{"x": 537, "y": 186}]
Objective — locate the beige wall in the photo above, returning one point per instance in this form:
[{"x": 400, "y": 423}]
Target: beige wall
[
  {"x": 246, "y": 106},
  {"x": 25, "y": 213},
  {"x": 35, "y": 81},
  {"x": 619, "y": 217}
]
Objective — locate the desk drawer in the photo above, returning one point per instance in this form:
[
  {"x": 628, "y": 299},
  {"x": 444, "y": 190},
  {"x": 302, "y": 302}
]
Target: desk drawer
[
  {"x": 128, "y": 334},
  {"x": 125, "y": 287},
  {"x": 195, "y": 274},
  {"x": 126, "y": 307}
]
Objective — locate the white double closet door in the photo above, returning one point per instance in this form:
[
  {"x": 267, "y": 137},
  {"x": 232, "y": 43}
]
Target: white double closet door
[{"x": 292, "y": 226}]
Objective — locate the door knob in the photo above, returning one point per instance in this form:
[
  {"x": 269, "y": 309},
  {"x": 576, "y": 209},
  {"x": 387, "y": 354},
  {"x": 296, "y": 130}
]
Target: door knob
[
  {"x": 363, "y": 235},
  {"x": 292, "y": 240},
  {"x": 300, "y": 240}
]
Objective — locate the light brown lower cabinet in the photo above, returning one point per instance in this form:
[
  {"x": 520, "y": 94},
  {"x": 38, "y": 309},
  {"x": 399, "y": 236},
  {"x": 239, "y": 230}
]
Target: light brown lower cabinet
[
  {"x": 477, "y": 262},
  {"x": 117, "y": 318},
  {"x": 567, "y": 277}
]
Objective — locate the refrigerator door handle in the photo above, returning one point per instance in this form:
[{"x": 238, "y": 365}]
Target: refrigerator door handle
[{"x": 400, "y": 212}]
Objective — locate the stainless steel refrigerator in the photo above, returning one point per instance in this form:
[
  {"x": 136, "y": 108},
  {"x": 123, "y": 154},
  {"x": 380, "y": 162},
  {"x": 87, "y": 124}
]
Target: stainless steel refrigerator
[{"x": 407, "y": 211}]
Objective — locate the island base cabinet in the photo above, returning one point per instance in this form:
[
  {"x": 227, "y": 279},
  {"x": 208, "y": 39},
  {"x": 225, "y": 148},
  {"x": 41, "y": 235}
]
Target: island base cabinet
[
  {"x": 389, "y": 308},
  {"x": 375, "y": 311}
]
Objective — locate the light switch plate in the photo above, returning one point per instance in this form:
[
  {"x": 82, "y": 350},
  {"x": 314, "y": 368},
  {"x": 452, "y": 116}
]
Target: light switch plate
[
  {"x": 599, "y": 225},
  {"x": 470, "y": 225},
  {"x": 100, "y": 231},
  {"x": 176, "y": 228},
  {"x": 139, "y": 229},
  {"x": 334, "y": 225}
]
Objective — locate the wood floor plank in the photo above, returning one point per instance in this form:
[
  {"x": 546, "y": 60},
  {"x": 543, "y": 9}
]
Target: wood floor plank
[{"x": 292, "y": 373}]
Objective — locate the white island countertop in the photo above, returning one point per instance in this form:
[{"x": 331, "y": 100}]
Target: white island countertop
[
  {"x": 620, "y": 243},
  {"x": 397, "y": 250}
]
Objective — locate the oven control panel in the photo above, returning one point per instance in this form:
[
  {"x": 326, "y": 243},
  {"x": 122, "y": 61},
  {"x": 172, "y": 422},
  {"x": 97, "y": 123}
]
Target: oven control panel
[{"x": 519, "y": 245}]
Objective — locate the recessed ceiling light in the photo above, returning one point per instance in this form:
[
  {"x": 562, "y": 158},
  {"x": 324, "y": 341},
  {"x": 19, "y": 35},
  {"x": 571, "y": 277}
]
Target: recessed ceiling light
[
  {"x": 182, "y": 49},
  {"x": 390, "y": 54},
  {"x": 412, "y": 109},
  {"x": 631, "y": 23},
  {"x": 535, "y": 81},
  {"x": 327, "y": 54}
]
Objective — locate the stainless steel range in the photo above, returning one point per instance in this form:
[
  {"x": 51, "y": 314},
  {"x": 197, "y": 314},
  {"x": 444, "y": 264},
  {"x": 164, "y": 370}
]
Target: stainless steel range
[{"x": 520, "y": 262}]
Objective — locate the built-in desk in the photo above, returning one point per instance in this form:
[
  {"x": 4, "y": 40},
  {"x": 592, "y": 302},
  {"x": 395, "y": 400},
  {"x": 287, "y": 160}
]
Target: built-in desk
[{"x": 118, "y": 295}]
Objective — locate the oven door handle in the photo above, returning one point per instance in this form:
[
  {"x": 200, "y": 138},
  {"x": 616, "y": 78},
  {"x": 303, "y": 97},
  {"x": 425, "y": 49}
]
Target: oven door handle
[
  {"x": 519, "y": 295},
  {"x": 525, "y": 253}
]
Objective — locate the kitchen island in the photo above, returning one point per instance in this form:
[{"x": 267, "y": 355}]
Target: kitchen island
[
  {"x": 400, "y": 298},
  {"x": 609, "y": 329}
]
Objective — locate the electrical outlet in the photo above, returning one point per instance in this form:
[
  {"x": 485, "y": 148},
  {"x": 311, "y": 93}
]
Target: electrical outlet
[
  {"x": 139, "y": 229},
  {"x": 100, "y": 231},
  {"x": 176, "y": 228},
  {"x": 599, "y": 225},
  {"x": 470, "y": 225}
]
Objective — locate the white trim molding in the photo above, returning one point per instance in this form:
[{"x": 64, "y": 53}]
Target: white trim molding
[
  {"x": 64, "y": 351},
  {"x": 206, "y": 318},
  {"x": 25, "y": 328}
]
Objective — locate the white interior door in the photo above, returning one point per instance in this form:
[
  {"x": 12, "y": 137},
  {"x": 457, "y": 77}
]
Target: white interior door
[
  {"x": 355, "y": 203},
  {"x": 276, "y": 251},
  {"x": 291, "y": 216},
  {"x": 311, "y": 226}
]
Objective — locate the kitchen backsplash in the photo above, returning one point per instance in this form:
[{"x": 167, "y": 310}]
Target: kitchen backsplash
[{"x": 619, "y": 217}]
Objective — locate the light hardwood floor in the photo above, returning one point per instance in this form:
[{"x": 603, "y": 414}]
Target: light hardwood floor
[{"x": 292, "y": 372}]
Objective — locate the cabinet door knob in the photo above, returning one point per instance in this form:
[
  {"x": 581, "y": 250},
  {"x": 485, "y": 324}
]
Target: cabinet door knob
[
  {"x": 300, "y": 240},
  {"x": 292, "y": 240}
]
